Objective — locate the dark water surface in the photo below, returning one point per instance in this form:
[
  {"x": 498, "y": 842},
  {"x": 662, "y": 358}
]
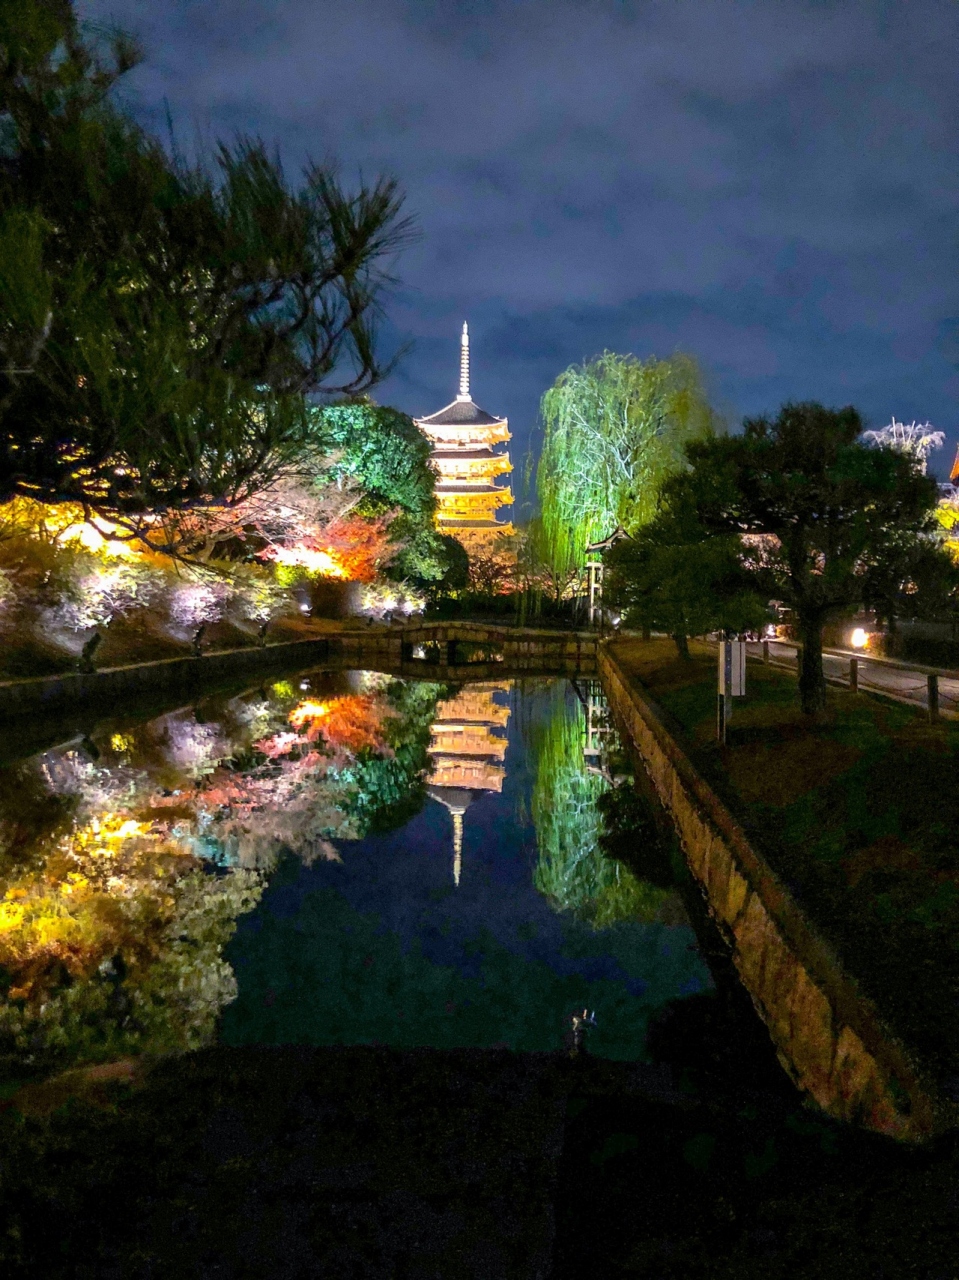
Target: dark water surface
[
  {"x": 383, "y": 945},
  {"x": 332, "y": 858}
]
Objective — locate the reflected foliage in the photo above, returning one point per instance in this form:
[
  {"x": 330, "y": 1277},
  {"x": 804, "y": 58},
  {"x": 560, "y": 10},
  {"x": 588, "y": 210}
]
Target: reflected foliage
[
  {"x": 630, "y": 835},
  {"x": 390, "y": 786},
  {"x": 127, "y": 857},
  {"x": 573, "y": 869}
]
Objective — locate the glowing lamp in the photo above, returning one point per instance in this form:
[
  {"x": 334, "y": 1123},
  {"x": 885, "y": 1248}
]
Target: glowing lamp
[{"x": 860, "y": 638}]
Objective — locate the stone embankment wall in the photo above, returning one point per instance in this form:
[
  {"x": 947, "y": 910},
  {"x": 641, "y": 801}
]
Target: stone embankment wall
[
  {"x": 827, "y": 1035},
  {"x": 48, "y": 694},
  {"x": 532, "y": 652}
]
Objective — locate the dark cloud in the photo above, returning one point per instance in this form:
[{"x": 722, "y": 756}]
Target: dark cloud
[{"x": 770, "y": 186}]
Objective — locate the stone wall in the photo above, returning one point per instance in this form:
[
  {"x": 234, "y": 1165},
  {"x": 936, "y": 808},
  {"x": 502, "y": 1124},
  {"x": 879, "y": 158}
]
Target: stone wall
[
  {"x": 827, "y": 1035},
  {"x": 50, "y": 694}
]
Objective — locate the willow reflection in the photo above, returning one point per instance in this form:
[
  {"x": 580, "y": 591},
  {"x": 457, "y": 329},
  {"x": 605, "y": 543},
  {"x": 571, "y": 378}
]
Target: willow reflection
[{"x": 575, "y": 824}]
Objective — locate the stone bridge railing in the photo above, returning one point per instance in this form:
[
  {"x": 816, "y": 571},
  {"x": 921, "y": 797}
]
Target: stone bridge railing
[{"x": 469, "y": 649}]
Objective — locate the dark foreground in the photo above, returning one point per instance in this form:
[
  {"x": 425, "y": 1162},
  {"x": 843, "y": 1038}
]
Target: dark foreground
[{"x": 373, "y": 1162}]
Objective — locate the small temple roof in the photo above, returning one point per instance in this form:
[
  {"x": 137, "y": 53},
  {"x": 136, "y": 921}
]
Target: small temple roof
[{"x": 610, "y": 540}]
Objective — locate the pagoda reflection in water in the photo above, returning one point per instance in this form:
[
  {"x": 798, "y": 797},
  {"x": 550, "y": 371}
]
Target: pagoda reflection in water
[{"x": 467, "y": 750}]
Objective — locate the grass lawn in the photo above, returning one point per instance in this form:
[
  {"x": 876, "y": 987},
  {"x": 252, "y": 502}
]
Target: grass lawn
[{"x": 858, "y": 813}]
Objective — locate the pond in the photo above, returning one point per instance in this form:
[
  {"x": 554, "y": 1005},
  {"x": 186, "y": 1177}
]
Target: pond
[{"x": 337, "y": 857}]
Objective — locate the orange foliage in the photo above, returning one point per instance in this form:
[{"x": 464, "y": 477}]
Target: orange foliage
[
  {"x": 360, "y": 546},
  {"x": 350, "y": 723},
  {"x": 348, "y": 547}
]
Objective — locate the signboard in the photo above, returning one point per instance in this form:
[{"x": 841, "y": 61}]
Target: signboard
[{"x": 732, "y": 668}]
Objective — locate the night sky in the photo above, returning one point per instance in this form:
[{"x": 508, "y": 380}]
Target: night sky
[{"x": 770, "y": 186}]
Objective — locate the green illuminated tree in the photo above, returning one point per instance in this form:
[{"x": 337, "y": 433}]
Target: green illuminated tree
[
  {"x": 161, "y": 323},
  {"x": 385, "y": 454},
  {"x": 614, "y": 429}
]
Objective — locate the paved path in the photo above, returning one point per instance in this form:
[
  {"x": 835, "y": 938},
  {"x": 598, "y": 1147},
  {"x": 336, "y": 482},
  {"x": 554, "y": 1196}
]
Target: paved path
[{"x": 877, "y": 675}]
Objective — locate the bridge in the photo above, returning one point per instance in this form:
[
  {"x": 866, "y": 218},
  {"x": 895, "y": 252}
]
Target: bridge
[{"x": 468, "y": 650}]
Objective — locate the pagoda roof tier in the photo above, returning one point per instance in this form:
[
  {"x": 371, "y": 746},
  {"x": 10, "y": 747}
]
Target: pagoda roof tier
[
  {"x": 458, "y": 744},
  {"x": 477, "y": 775},
  {"x": 453, "y": 486},
  {"x": 461, "y": 413},
  {"x": 442, "y": 454},
  {"x": 494, "y": 462},
  {"x": 478, "y": 711},
  {"x": 492, "y": 525}
]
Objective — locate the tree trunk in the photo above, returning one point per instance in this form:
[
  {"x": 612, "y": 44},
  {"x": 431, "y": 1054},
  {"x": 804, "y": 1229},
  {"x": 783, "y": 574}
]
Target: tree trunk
[
  {"x": 647, "y": 634},
  {"x": 812, "y": 682},
  {"x": 682, "y": 645}
]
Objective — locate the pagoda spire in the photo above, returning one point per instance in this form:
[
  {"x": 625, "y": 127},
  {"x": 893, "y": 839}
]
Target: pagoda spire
[
  {"x": 464, "y": 364},
  {"x": 457, "y": 845}
]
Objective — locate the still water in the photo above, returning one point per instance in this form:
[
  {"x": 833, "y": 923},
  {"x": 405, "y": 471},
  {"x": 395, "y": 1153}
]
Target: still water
[{"x": 334, "y": 858}]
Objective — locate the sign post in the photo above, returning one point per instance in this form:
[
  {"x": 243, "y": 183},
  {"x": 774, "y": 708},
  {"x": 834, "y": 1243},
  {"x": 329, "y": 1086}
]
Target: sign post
[{"x": 732, "y": 682}]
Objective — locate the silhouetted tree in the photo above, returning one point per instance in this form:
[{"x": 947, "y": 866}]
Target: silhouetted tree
[
  {"x": 161, "y": 323},
  {"x": 834, "y": 523},
  {"x": 674, "y": 576}
]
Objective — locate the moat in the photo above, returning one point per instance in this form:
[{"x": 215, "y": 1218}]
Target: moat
[{"x": 404, "y": 863}]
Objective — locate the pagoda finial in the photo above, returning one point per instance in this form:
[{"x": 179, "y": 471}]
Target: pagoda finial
[
  {"x": 464, "y": 364},
  {"x": 457, "y": 845}
]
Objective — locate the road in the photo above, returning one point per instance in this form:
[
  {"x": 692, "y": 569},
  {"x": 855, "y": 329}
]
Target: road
[{"x": 877, "y": 675}]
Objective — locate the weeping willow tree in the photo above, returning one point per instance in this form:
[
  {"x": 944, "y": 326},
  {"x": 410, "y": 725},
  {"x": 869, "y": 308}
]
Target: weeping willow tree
[
  {"x": 572, "y": 870},
  {"x": 614, "y": 428}
]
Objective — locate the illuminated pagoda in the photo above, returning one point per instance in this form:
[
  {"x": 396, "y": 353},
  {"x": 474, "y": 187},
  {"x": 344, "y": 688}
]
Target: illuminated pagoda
[
  {"x": 467, "y": 752},
  {"x": 463, "y": 437}
]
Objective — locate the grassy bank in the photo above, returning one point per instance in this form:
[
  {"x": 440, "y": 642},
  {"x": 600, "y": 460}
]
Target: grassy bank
[{"x": 858, "y": 813}]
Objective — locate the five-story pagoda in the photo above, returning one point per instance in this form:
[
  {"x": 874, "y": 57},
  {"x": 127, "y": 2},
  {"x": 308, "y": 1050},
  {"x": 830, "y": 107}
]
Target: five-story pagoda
[{"x": 463, "y": 437}]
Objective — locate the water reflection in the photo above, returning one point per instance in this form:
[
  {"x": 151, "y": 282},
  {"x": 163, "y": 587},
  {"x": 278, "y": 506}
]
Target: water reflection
[
  {"x": 316, "y": 812},
  {"x": 576, "y": 755},
  {"x": 381, "y": 947},
  {"x": 467, "y": 749},
  {"x": 126, "y": 856}
]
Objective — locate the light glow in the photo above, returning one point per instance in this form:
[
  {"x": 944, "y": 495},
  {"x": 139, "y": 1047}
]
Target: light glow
[
  {"x": 860, "y": 638},
  {"x": 321, "y": 562},
  {"x": 91, "y": 537},
  {"x": 307, "y": 710}
]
